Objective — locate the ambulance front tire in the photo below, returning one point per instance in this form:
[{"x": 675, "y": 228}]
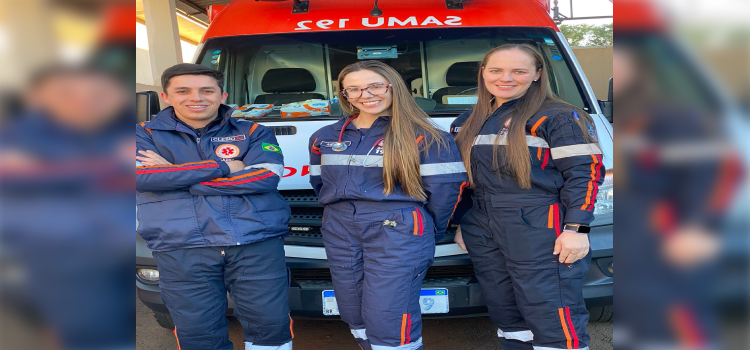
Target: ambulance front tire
[
  {"x": 164, "y": 319},
  {"x": 601, "y": 314}
]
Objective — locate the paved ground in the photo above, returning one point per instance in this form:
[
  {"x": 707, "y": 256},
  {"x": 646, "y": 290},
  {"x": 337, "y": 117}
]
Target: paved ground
[{"x": 445, "y": 334}]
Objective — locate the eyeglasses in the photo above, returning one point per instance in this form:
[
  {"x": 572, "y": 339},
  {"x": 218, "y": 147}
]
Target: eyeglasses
[{"x": 374, "y": 89}]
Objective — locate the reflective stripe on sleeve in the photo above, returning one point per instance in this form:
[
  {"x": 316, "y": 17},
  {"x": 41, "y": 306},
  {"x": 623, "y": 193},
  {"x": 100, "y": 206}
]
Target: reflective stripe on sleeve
[
  {"x": 531, "y": 141},
  {"x": 442, "y": 168},
  {"x": 314, "y": 170},
  {"x": 585, "y": 149},
  {"x": 277, "y": 169}
]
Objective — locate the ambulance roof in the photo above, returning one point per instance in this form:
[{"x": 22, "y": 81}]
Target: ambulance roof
[{"x": 251, "y": 17}]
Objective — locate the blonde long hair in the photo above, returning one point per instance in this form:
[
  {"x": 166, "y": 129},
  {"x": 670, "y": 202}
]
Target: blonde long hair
[
  {"x": 517, "y": 154},
  {"x": 401, "y": 154}
]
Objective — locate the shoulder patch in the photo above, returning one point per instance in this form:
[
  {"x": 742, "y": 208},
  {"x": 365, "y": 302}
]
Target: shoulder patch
[{"x": 268, "y": 147}]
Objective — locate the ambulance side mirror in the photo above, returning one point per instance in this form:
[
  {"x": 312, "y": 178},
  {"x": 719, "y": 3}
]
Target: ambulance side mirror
[
  {"x": 146, "y": 105},
  {"x": 606, "y": 106}
]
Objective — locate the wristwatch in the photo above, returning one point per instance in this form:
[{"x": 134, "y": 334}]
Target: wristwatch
[{"x": 577, "y": 228}]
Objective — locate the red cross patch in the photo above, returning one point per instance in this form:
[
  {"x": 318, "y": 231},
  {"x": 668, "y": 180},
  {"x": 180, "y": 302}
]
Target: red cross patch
[{"x": 228, "y": 151}]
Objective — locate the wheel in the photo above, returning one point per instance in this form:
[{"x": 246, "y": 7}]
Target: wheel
[
  {"x": 164, "y": 319},
  {"x": 601, "y": 314}
]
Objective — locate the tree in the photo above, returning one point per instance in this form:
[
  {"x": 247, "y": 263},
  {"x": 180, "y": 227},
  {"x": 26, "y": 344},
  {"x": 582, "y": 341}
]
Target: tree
[
  {"x": 588, "y": 34},
  {"x": 602, "y": 35},
  {"x": 576, "y": 33}
]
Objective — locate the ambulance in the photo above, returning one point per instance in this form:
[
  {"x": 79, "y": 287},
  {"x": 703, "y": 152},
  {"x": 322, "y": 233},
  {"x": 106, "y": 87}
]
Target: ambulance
[{"x": 282, "y": 59}]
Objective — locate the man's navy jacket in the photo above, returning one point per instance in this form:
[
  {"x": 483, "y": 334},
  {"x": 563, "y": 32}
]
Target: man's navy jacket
[{"x": 196, "y": 202}]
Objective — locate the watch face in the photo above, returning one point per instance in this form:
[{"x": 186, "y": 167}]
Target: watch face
[{"x": 578, "y": 228}]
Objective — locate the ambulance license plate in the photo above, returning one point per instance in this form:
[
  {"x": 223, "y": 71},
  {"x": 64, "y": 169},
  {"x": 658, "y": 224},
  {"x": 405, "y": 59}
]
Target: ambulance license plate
[{"x": 431, "y": 301}]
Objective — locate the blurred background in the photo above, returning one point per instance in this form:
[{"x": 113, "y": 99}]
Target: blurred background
[
  {"x": 681, "y": 75},
  {"x": 66, "y": 180},
  {"x": 681, "y": 79}
]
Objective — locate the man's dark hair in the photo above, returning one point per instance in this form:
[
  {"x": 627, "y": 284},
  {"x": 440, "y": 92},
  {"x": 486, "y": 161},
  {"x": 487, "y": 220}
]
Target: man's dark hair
[{"x": 191, "y": 69}]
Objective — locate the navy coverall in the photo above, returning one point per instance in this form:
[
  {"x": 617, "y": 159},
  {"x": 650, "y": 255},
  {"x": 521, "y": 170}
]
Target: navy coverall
[
  {"x": 510, "y": 232},
  {"x": 380, "y": 246},
  {"x": 212, "y": 232}
]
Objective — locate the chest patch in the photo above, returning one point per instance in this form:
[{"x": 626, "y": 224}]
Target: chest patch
[
  {"x": 329, "y": 144},
  {"x": 229, "y": 138},
  {"x": 506, "y": 127},
  {"x": 228, "y": 151}
]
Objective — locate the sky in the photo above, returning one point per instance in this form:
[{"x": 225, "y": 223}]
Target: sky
[{"x": 586, "y": 8}]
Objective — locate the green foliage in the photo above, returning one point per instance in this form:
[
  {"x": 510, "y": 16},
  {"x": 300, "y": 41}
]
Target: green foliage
[{"x": 588, "y": 34}]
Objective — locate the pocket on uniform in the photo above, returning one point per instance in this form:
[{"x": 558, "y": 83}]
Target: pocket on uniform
[
  {"x": 169, "y": 221},
  {"x": 373, "y": 186},
  {"x": 571, "y": 282},
  {"x": 545, "y": 216}
]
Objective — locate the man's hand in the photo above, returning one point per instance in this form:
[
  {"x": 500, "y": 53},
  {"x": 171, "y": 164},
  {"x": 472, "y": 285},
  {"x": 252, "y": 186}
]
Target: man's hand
[
  {"x": 151, "y": 158},
  {"x": 459, "y": 239},
  {"x": 571, "y": 247},
  {"x": 235, "y": 166}
]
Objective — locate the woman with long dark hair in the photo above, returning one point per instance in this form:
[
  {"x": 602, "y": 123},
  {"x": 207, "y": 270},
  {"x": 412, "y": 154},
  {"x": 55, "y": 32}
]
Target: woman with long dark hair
[
  {"x": 389, "y": 180},
  {"x": 534, "y": 165}
]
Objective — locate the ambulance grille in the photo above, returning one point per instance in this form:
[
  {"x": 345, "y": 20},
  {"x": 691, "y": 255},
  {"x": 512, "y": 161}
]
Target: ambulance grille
[
  {"x": 307, "y": 217},
  {"x": 284, "y": 130}
]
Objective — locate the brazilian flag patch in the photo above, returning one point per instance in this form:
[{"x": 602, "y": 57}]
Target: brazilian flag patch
[{"x": 268, "y": 147}]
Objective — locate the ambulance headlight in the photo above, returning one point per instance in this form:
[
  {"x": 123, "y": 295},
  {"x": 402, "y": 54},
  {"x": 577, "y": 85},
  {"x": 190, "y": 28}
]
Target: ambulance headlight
[
  {"x": 605, "y": 199},
  {"x": 149, "y": 276}
]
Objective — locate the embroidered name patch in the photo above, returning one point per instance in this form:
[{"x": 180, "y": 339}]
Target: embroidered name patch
[
  {"x": 329, "y": 144},
  {"x": 229, "y": 138},
  {"x": 228, "y": 151}
]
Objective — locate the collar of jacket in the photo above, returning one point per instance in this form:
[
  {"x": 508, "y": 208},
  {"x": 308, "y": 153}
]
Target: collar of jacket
[
  {"x": 165, "y": 120},
  {"x": 506, "y": 106},
  {"x": 340, "y": 123}
]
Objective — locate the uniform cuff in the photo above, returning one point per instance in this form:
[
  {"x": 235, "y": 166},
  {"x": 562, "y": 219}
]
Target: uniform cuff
[
  {"x": 224, "y": 168},
  {"x": 578, "y": 216}
]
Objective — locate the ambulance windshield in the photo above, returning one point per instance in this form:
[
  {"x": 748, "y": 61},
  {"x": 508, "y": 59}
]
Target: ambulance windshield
[{"x": 295, "y": 75}]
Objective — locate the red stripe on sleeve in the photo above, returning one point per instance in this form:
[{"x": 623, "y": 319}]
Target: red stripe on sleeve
[
  {"x": 595, "y": 187},
  {"x": 143, "y": 172},
  {"x": 546, "y": 158},
  {"x": 464, "y": 185},
  {"x": 269, "y": 174}
]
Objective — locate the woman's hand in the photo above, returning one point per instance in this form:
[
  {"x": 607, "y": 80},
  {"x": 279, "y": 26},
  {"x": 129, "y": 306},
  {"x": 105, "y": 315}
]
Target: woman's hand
[
  {"x": 571, "y": 247},
  {"x": 459, "y": 239},
  {"x": 151, "y": 158}
]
